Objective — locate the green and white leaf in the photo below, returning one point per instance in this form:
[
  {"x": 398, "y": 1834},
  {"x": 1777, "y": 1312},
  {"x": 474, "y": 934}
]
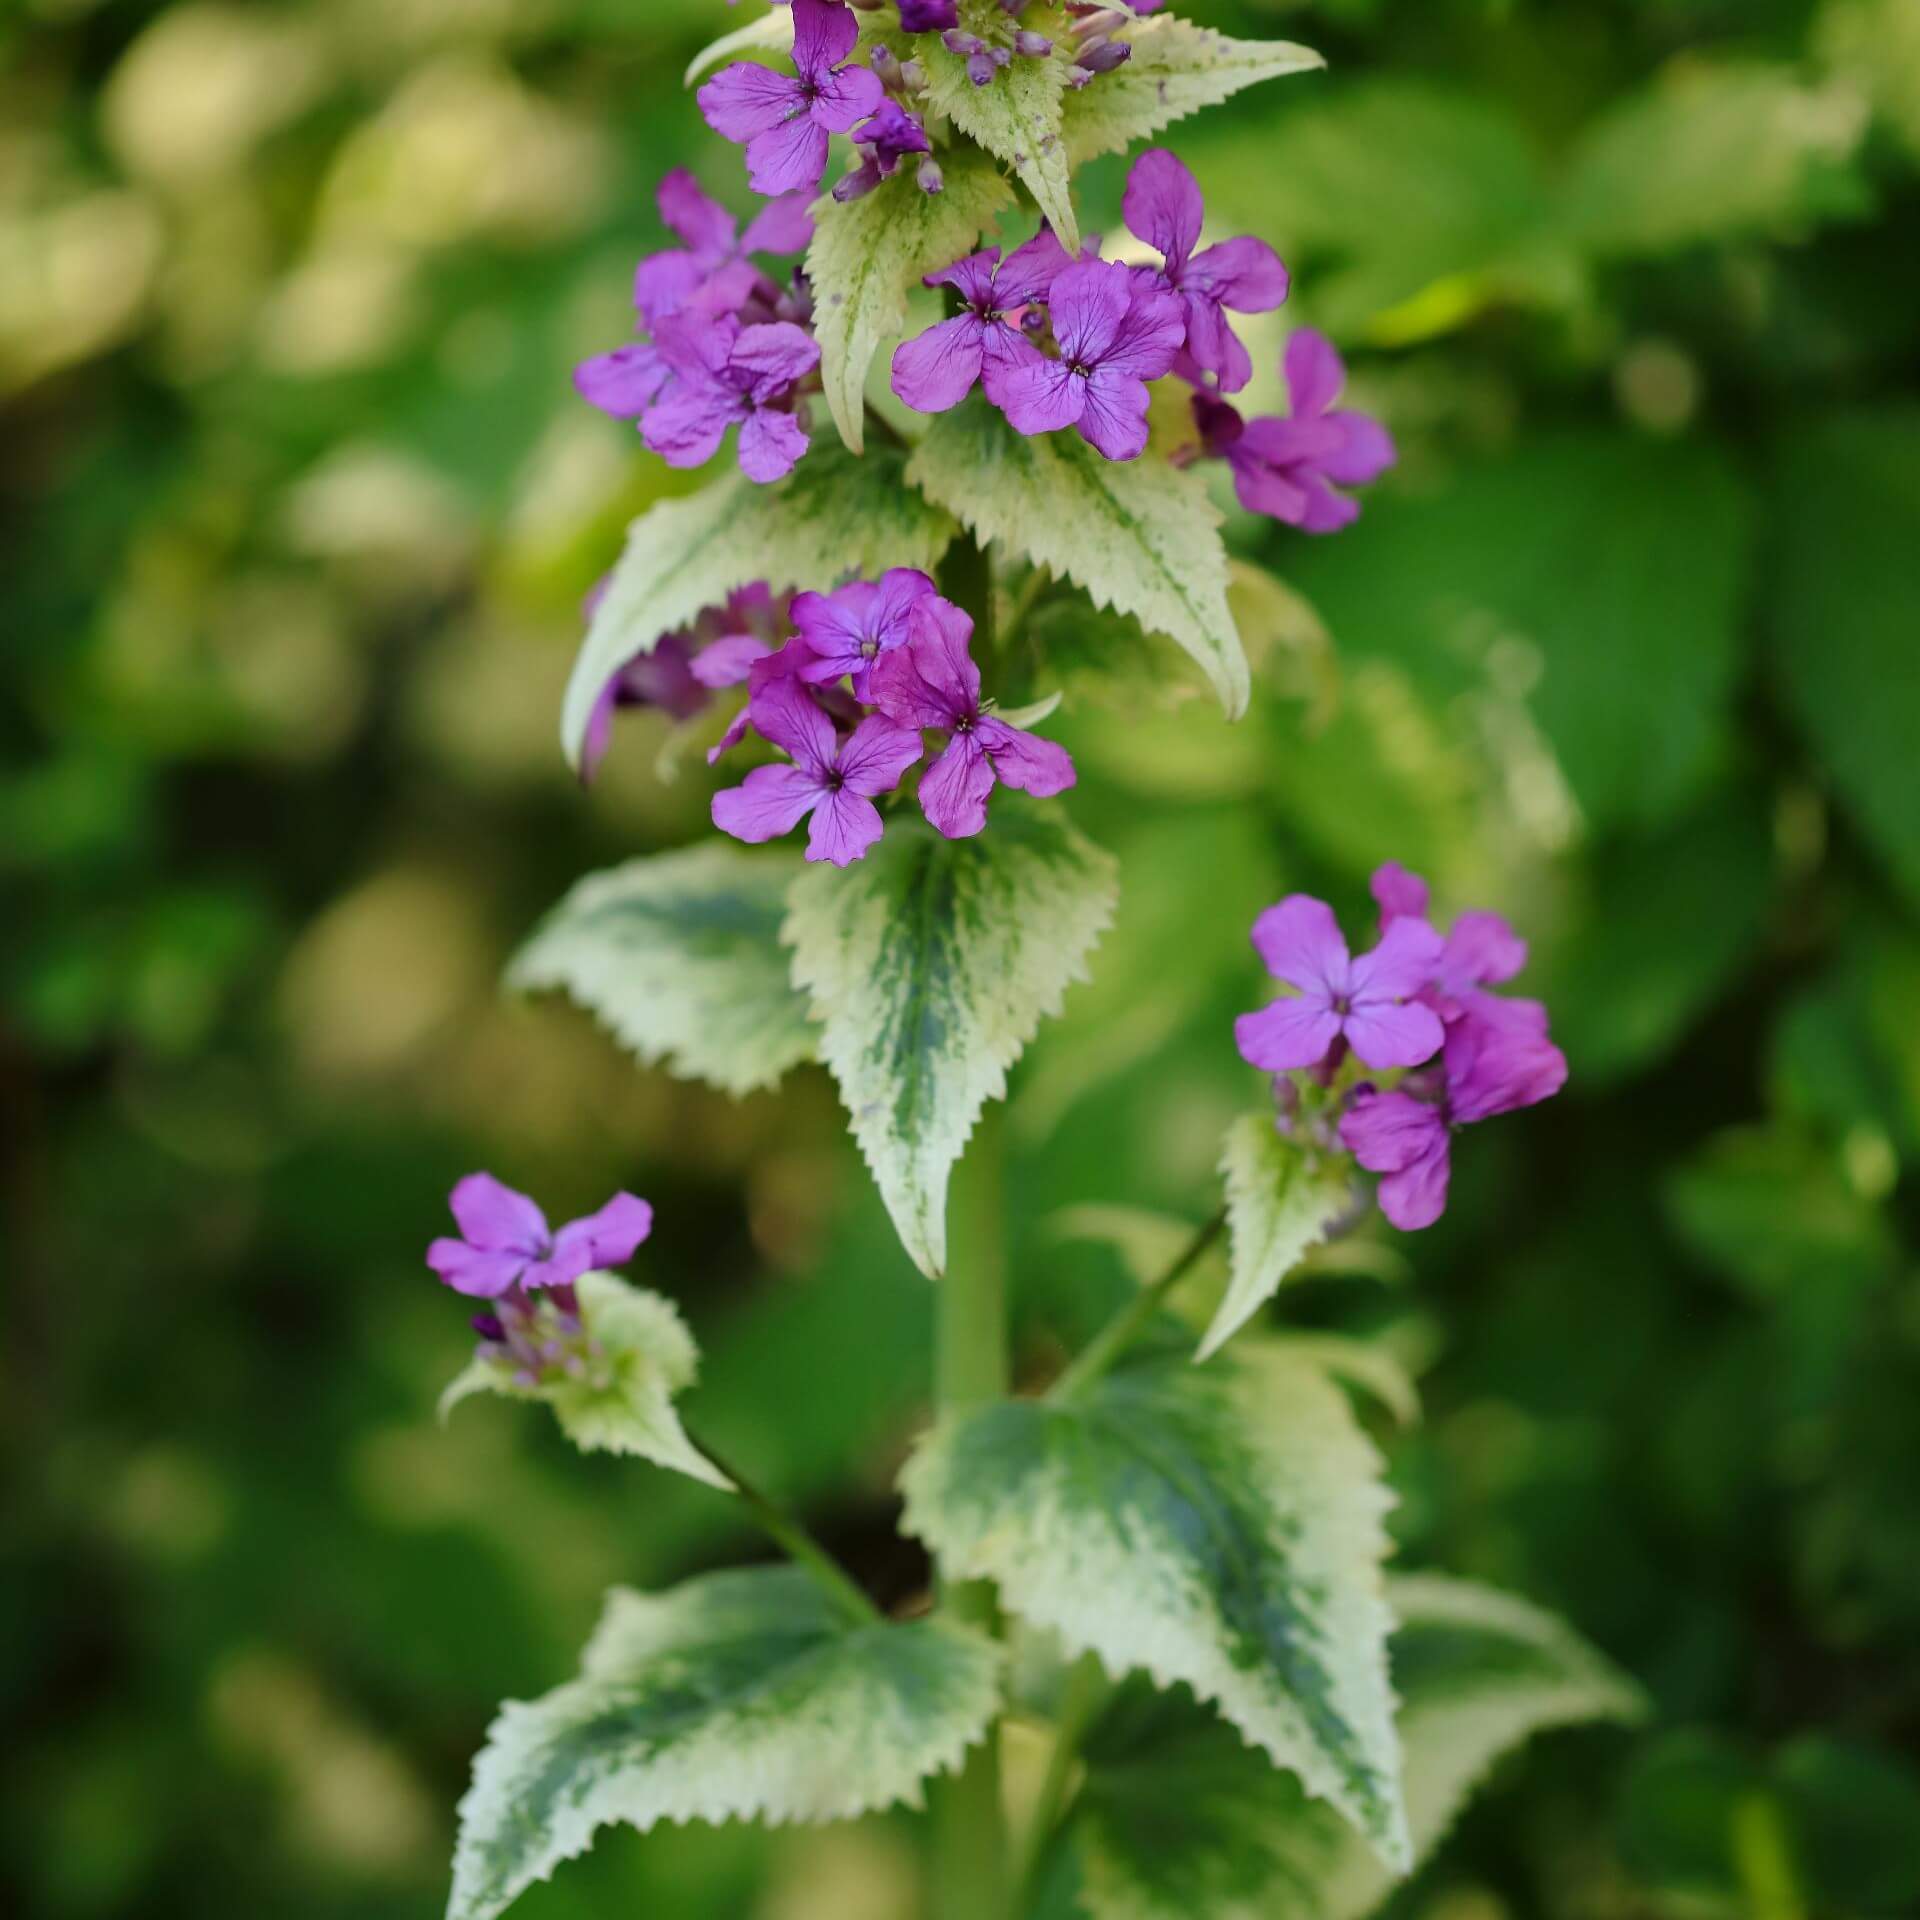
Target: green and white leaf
[
  {"x": 771, "y": 33},
  {"x": 1281, "y": 1200},
  {"x": 1147, "y": 1243},
  {"x": 738, "y": 1696},
  {"x": 1218, "y": 1527},
  {"x": 1017, "y": 115},
  {"x": 931, "y": 964},
  {"x": 635, "y": 1357},
  {"x": 833, "y": 517},
  {"x": 1370, "y": 1365},
  {"x": 1177, "y": 69},
  {"x": 869, "y": 254},
  {"x": 1138, "y": 535},
  {"x": 680, "y": 955},
  {"x": 1178, "y": 1818}
]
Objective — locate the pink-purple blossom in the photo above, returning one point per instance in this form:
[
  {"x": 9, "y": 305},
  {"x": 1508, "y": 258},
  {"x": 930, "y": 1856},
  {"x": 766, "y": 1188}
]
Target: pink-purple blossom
[
  {"x": 1481, "y": 951},
  {"x": 505, "y": 1243},
  {"x": 1368, "y": 1003},
  {"x": 783, "y": 120},
  {"x": 727, "y": 375},
  {"x": 846, "y": 632},
  {"x": 1116, "y": 332},
  {"x": 1163, "y": 207},
  {"x": 939, "y": 368},
  {"x": 1292, "y": 468},
  {"x": 933, "y": 682},
  {"x": 883, "y": 142},
  {"x": 835, "y": 781}
]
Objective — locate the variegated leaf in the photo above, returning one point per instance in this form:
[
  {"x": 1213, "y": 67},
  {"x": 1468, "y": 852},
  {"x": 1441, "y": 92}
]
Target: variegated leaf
[
  {"x": 680, "y": 955},
  {"x": 1218, "y": 1527},
  {"x": 931, "y": 965},
  {"x": 1177, "y": 1817},
  {"x": 1016, "y": 116},
  {"x": 832, "y": 517},
  {"x": 739, "y": 1696},
  {"x": 611, "y": 1386},
  {"x": 1177, "y": 68},
  {"x": 1138, "y": 535},
  {"x": 869, "y": 254},
  {"x": 1281, "y": 1200}
]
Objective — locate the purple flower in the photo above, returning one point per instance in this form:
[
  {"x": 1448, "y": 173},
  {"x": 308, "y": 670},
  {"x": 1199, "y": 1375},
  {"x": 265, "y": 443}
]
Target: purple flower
[
  {"x": 505, "y": 1241},
  {"x": 713, "y": 270},
  {"x": 782, "y": 120},
  {"x": 1367, "y": 1002},
  {"x": 728, "y": 375},
  {"x": 938, "y": 369},
  {"x": 846, "y": 632},
  {"x": 1164, "y": 208},
  {"x": 1482, "y": 950},
  {"x": 933, "y": 682},
  {"x": 667, "y": 678},
  {"x": 1488, "y": 1069},
  {"x": 768, "y": 670},
  {"x": 1289, "y": 468},
  {"x": 883, "y": 143},
  {"x": 1116, "y": 332},
  {"x": 833, "y": 780}
]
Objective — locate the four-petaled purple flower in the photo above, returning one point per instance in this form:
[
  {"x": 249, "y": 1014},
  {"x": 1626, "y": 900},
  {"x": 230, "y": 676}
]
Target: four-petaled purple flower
[
  {"x": 1488, "y": 1068},
  {"x": 933, "y": 682},
  {"x": 713, "y": 270},
  {"x": 783, "y": 120},
  {"x": 1164, "y": 208},
  {"x": 846, "y": 632},
  {"x": 832, "y": 779},
  {"x": 1290, "y": 467},
  {"x": 1368, "y": 1003},
  {"x": 1482, "y": 950},
  {"x": 505, "y": 1241},
  {"x": 939, "y": 368},
  {"x": 729, "y": 375},
  {"x": 1116, "y": 332}
]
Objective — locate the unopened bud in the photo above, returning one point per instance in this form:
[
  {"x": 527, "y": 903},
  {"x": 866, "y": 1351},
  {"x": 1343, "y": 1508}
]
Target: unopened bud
[{"x": 928, "y": 177}]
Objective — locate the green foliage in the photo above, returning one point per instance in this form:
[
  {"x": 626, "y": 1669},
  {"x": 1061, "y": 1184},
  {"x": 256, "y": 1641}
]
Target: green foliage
[
  {"x": 1219, "y": 1528},
  {"x": 1281, "y": 1201},
  {"x": 737, "y": 1696},
  {"x": 680, "y": 956},
  {"x": 930, "y": 965},
  {"x": 834, "y": 516},
  {"x": 869, "y": 254},
  {"x": 1178, "y": 1817},
  {"x": 1139, "y": 536}
]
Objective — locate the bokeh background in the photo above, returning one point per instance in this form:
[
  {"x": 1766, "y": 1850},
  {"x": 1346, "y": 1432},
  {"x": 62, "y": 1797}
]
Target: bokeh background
[{"x": 299, "y": 507}]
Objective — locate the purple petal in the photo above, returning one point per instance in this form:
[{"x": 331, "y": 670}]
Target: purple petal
[
  {"x": 599, "y": 735},
  {"x": 1388, "y": 1131},
  {"x": 728, "y": 660},
  {"x": 694, "y": 217},
  {"x": 1399, "y": 893},
  {"x": 745, "y": 100},
  {"x": 1113, "y": 414},
  {"x": 786, "y": 714},
  {"x": 1263, "y": 488},
  {"x": 1149, "y": 334},
  {"x": 1029, "y": 271},
  {"x": 1244, "y": 274},
  {"x": 601, "y": 1240},
  {"x": 1301, "y": 943},
  {"x": 771, "y": 445},
  {"x": 823, "y": 35},
  {"x": 782, "y": 226},
  {"x": 1288, "y": 1034},
  {"x": 954, "y": 790},
  {"x": 876, "y": 755},
  {"x": 1163, "y": 206},
  {"x": 1315, "y": 373},
  {"x": 1213, "y": 346},
  {"x": 1404, "y": 962},
  {"x": 473, "y": 1271},
  {"x": 1482, "y": 950},
  {"x": 850, "y": 96},
  {"x": 1365, "y": 450},
  {"x": 1416, "y": 1196},
  {"x": 495, "y": 1218},
  {"x": 1089, "y": 303},
  {"x": 624, "y": 383},
  {"x": 778, "y": 355},
  {"x": 845, "y": 825},
  {"x": 790, "y": 158},
  {"x": 1024, "y": 760},
  {"x": 1036, "y": 394},
  {"x": 769, "y": 802},
  {"x": 1498, "y": 1067},
  {"x": 1385, "y": 1036},
  {"x": 1326, "y": 511},
  {"x": 664, "y": 283},
  {"x": 972, "y": 278},
  {"x": 686, "y": 429},
  {"x": 937, "y": 370}
]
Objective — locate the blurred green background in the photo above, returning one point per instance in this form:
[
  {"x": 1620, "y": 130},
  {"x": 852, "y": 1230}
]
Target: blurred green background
[{"x": 298, "y": 508}]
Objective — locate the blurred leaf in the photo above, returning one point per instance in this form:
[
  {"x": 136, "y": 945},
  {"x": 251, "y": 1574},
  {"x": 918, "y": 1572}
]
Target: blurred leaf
[
  {"x": 1847, "y": 523},
  {"x": 1217, "y": 1527},
  {"x": 1875, "y": 44},
  {"x": 1679, "y": 1810},
  {"x": 1856, "y": 1819},
  {"x": 680, "y": 955}
]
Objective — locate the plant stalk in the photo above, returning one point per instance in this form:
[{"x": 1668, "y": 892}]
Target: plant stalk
[
  {"x": 1087, "y": 1690},
  {"x": 1125, "y": 1327}
]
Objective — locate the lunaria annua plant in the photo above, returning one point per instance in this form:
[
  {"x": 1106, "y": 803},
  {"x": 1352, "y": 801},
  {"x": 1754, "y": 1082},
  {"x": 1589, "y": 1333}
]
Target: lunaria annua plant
[{"x": 1183, "y": 1546}]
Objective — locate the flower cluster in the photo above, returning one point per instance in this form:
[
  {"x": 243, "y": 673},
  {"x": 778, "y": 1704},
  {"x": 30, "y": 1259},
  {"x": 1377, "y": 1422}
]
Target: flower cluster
[
  {"x": 871, "y": 670},
  {"x": 1418, "y": 1004},
  {"x": 723, "y": 344}
]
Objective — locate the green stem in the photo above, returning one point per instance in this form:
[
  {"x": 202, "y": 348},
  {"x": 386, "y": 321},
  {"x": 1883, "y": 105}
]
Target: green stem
[
  {"x": 1087, "y": 1690},
  {"x": 799, "y": 1545},
  {"x": 1125, "y": 1327},
  {"x": 970, "y": 1878}
]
